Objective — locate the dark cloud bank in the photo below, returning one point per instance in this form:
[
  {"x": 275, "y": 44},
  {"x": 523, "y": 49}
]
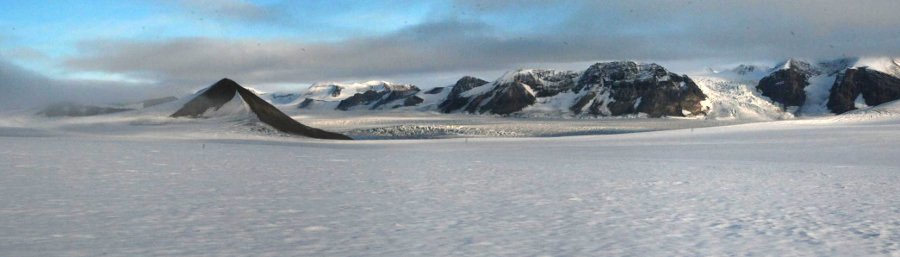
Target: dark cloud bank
[
  {"x": 600, "y": 30},
  {"x": 456, "y": 41},
  {"x": 22, "y": 89}
]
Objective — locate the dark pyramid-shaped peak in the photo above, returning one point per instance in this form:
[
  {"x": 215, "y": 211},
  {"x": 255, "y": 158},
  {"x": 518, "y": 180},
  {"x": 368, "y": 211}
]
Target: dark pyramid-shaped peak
[
  {"x": 220, "y": 93},
  {"x": 213, "y": 97}
]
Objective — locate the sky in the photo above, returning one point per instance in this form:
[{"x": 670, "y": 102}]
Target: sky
[{"x": 93, "y": 50}]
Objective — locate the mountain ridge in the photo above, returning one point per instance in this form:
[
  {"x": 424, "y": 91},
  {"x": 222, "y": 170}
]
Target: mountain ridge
[{"x": 225, "y": 90}]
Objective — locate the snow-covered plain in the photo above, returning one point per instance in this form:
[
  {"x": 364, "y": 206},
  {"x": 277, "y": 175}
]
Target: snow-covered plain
[{"x": 119, "y": 186}]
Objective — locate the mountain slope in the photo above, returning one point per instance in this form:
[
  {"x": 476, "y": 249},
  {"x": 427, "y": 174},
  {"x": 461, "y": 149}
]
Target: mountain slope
[
  {"x": 872, "y": 86},
  {"x": 786, "y": 85},
  {"x": 372, "y": 95},
  {"x": 453, "y": 101},
  {"x": 604, "y": 89},
  {"x": 831, "y": 86},
  {"x": 619, "y": 88},
  {"x": 227, "y": 93}
]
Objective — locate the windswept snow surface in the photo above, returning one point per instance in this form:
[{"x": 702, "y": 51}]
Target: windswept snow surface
[{"x": 107, "y": 186}]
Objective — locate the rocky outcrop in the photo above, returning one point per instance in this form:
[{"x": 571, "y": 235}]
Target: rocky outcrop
[
  {"x": 517, "y": 90},
  {"x": 412, "y": 101},
  {"x": 545, "y": 83},
  {"x": 620, "y": 88},
  {"x": 873, "y": 86},
  {"x": 283, "y": 97},
  {"x": 378, "y": 99},
  {"x": 306, "y": 103},
  {"x": 507, "y": 98},
  {"x": 330, "y": 94},
  {"x": 785, "y": 87},
  {"x": 398, "y": 93},
  {"x": 604, "y": 89},
  {"x": 745, "y": 69},
  {"x": 365, "y": 98},
  {"x": 224, "y": 91},
  {"x": 435, "y": 91},
  {"x": 454, "y": 101}
]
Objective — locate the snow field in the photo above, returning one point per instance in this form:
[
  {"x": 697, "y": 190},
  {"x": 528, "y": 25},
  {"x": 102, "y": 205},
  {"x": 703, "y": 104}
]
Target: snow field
[{"x": 792, "y": 188}]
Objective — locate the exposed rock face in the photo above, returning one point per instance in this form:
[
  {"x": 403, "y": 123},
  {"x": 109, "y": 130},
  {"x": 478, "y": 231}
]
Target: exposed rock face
[
  {"x": 335, "y": 91},
  {"x": 546, "y": 83},
  {"x": 329, "y": 95},
  {"x": 402, "y": 92},
  {"x": 224, "y": 91},
  {"x": 604, "y": 89},
  {"x": 454, "y": 101},
  {"x": 507, "y": 98},
  {"x": 283, "y": 98},
  {"x": 834, "y": 67},
  {"x": 785, "y": 87},
  {"x": 361, "y": 99},
  {"x": 875, "y": 88},
  {"x": 434, "y": 91},
  {"x": 378, "y": 99},
  {"x": 69, "y": 109},
  {"x": 332, "y": 90},
  {"x": 306, "y": 102},
  {"x": 412, "y": 101},
  {"x": 515, "y": 91},
  {"x": 619, "y": 88},
  {"x": 744, "y": 69}
]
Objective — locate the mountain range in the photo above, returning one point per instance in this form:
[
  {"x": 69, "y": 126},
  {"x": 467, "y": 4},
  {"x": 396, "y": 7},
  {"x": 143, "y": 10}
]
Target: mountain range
[
  {"x": 798, "y": 87},
  {"x": 795, "y": 87}
]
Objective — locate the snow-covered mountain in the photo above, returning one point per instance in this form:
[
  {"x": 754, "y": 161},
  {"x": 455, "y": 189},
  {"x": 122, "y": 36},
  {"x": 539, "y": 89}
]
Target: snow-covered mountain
[
  {"x": 453, "y": 100},
  {"x": 794, "y": 87},
  {"x": 619, "y": 88},
  {"x": 512, "y": 92},
  {"x": 807, "y": 87},
  {"x": 384, "y": 97},
  {"x": 373, "y": 95},
  {"x": 604, "y": 89},
  {"x": 862, "y": 87}
]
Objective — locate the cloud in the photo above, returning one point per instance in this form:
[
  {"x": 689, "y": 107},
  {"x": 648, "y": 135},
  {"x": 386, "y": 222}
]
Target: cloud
[
  {"x": 445, "y": 46},
  {"x": 25, "y": 54},
  {"x": 23, "y": 89},
  {"x": 661, "y": 31}
]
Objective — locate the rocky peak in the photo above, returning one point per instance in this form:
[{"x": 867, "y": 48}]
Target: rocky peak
[
  {"x": 745, "y": 69},
  {"x": 226, "y": 90},
  {"x": 617, "y": 88},
  {"x": 453, "y": 101},
  {"x": 466, "y": 83},
  {"x": 543, "y": 82},
  {"x": 337, "y": 91},
  {"x": 833, "y": 67},
  {"x": 379, "y": 96},
  {"x": 619, "y": 72},
  {"x": 799, "y": 66},
  {"x": 875, "y": 87}
]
